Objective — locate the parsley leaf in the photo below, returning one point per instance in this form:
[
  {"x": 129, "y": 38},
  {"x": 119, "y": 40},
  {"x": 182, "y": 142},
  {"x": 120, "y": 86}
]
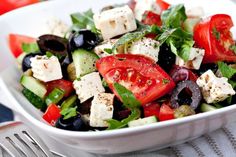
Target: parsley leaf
[
  {"x": 69, "y": 112},
  {"x": 30, "y": 47},
  {"x": 226, "y": 70}
]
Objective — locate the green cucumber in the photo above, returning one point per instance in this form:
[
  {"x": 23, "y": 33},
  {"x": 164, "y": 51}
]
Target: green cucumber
[
  {"x": 55, "y": 96},
  {"x": 69, "y": 102},
  {"x": 33, "y": 85},
  {"x": 142, "y": 121},
  {"x": 84, "y": 62},
  {"x": 206, "y": 107},
  {"x": 190, "y": 23},
  {"x": 34, "y": 99}
]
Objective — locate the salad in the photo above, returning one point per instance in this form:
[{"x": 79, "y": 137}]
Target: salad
[{"x": 129, "y": 65}]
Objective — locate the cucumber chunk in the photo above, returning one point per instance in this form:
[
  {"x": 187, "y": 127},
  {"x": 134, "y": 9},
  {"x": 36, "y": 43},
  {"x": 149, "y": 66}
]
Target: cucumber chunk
[
  {"x": 206, "y": 107},
  {"x": 55, "y": 96},
  {"x": 190, "y": 23},
  {"x": 84, "y": 62},
  {"x": 142, "y": 121},
  {"x": 33, "y": 85}
]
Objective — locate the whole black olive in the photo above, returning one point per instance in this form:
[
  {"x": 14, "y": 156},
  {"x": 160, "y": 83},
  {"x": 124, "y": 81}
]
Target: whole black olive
[
  {"x": 196, "y": 95},
  {"x": 54, "y": 44},
  {"x": 74, "y": 124},
  {"x": 26, "y": 61},
  {"x": 83, "y": 39},
  {"x": 166, "y": 58}
]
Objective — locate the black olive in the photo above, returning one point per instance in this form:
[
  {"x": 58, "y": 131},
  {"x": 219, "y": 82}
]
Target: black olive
[
  {"x": 26, "y": 61},
  {"x": 64, "y": 65},
  {"x": 75, "y": 123},
  {"x": 192, "y": 87},
  {"x": 54, "y": 44},
  {"x": 83, "y": 39},
  {"x": 204, "y": 67},
  {"x": 166, "y": 58}
]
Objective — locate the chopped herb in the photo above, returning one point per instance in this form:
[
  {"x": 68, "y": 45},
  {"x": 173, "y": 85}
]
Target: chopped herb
[
  {"x": 216, "y": 33},
  {"x": 69, "y": 113},
  {"x": 49, "y": 54},
  {"x": 226, "y": 70},
  {"x": 109, "y": 51},
  {"x": 165, "y": 81},
  {"x": 30, "y": 47},
  {"x": 104, "y": 83}
]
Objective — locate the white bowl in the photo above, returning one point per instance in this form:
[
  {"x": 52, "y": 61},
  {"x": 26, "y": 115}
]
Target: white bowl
[{"x": 31, "y": 20}]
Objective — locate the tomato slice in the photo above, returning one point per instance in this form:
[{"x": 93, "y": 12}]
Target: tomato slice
[
  {"x": 166, "y": 112},
  {"x": 8, "y": 5},
  {"x": 162, "y": 4},
  {"x": 213, "y": 34},
  {"x": 151, "y": 18},
  {"x": 139, "y": 74},
  {"x": 65, "y": 85},
  {"x": 16, "y": 41},
  {"x": 52, "y": 114},
  {"x": 151, "y": 109}
]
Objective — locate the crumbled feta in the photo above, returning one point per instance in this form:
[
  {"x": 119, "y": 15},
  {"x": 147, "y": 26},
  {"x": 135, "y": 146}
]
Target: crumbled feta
[
  {"x": 195, "y": 59},
  {"x": 145, "y": 5},
  {"x": 46, "y": 69},
  {"x": 88, "y": 86},
  {"x": 56, "y": 27},
  {"x": 214, "y": 89},
  {"x": 145, "y": 46},
  {"x": 115, "y": 22},
  {"x": 101, "y": 109}
]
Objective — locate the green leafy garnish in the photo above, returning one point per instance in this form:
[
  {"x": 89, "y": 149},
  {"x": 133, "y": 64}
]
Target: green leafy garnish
[
  {"x": 216, "y": 33},
  {"x": 84, "y": 20},
  {"x": 127, "y": 96},
  {"x": 109, "y": 51},
  {"x": 233, "y": 48},
  {"x": 226, "y": 70},
  {"x": 69, "y": 112},
  {"x": 174, "y": 16},
  {"x": 165, "y": 81},
  {"x": 30, "y": 47},
  {"x": 49, "y": 54}
]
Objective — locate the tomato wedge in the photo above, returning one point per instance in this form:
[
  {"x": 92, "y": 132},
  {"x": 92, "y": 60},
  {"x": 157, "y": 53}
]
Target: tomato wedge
[
  {"x": 151, "y": 109},
  {"x": 139, "y": 74},
  {"x": 162, "y": 4},
  {"x": 166, "y": 112},
  {"x": 151, "y": 18},
  {"x": 213, "y": 34},
  {"x": 65, "y": 85},
  {"x": 16, "y": 41},
  {"x": 52, "y": 114}
]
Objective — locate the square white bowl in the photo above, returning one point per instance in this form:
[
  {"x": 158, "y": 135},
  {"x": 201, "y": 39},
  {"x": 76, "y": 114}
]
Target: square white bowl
[{"x": 32, "y": 20}]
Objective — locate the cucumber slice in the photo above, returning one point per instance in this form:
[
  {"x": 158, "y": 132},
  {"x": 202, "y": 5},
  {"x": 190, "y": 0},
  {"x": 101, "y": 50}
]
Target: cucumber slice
[
  {"x": 190, "y": 23},
  {"x": 33, "y": 85},
  {"x": 55, "y": 96},
  {"x": 143, "y": 121},
  {"x": 84, "y": 62},
  {"x": 206, "y": 107},
  {"x": 34, "y": 99}
]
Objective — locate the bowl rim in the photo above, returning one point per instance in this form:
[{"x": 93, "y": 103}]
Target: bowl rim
[{"x": 96, "y": 134}]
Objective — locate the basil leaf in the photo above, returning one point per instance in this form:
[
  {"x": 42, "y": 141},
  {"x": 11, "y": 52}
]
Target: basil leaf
[
  {"x": 226, "y": 70},
  {"x": 174, "y": 16},
  {"x": 30, "y": 47},
  {"x": 115, "y": 124},
  {"x": 69, "y": 112},
  {"x": 84, "y": 20},
  {"x": 127, "y": 96}
]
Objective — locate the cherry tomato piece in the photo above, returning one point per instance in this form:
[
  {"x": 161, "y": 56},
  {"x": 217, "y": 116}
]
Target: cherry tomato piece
[
  {"x": 166, "y": 112},
  {"x": 151, "y": 18},
  {"x": 65, "y": 85},
  {"x": 151, "y": 109},
  {"x": 52, "y": 114}
]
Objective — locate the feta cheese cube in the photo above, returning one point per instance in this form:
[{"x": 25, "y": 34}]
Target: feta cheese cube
[
  {"x": 101, "y": 109},
  {"x": 196, "y": 12},
  {"x": 46, "y": 69},
  {"x": 195, "y": 59},
  {"x": 214, "y": 89},
  {"x": 88, "y": 86},
  {"x": 145, "y": 5},
  {"x": 115, "y": 22},
  {"x": 147, "y": 47}
]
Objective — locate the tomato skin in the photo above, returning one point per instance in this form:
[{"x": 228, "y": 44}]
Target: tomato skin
[
  {"x": 52, "y": 114},
  {"x": 215, "y": 49},
  {"x": 166, "y": 112},
  {"x": 151, "y": 18},
  {"x": 162, "y": 4},
  {"x": 15, "y": 43},
  {"x": 8, "y": 5},
  {"x": 139, "y": 74},
  {"x": 151, "y": 109},
  {"x": 65, "y": 85}
]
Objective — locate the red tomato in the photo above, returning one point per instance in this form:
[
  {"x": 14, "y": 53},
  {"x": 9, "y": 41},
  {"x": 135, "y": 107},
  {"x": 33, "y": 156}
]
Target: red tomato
[
  {"x": 139, "y": 74},
  {"x": 151, "y": 109},
  {"x": 52, "y": 114},
  {"x": 7, "y": 5},
  {"x": 180, "y": 74},
  {"x": 166, "y": 112},
  {"x": 16, "y": 41},
  {"x": 151, "y": 18},
  {"x": 163, "y": 5},
  {"x": 65, "y": 85},
  {"x": 213, "y": 34}
]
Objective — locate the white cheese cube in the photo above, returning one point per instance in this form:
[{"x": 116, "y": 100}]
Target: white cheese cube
[
  {"x": 115, "y": 22},
  {"x": 101, "y": 109},
  {"x": 46, "y": 69},
  {"x": 145, "y": 5},
  {"x": 88, "y": 86},
  {"x": 214, "y": 89},
  {"x": 147, "y": 47},
  {"x": 195, "y": 59},
  {"x": 196, "y": 12}
]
